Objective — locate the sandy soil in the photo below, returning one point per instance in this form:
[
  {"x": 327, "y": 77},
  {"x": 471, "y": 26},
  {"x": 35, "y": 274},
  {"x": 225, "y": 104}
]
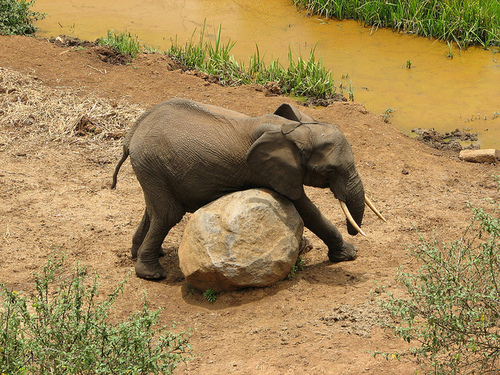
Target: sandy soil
[{"x": 54, "y": 195}]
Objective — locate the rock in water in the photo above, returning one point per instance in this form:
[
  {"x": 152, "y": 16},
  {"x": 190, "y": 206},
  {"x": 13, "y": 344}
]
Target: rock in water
[{"x": 245, "y": 239}]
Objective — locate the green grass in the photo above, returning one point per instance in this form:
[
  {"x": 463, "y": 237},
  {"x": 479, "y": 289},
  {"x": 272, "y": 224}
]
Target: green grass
[
  {"x": 299, "y": 77},
  {"x": 16, "y": 18},
  {"x": 123, "y": 43},
  {"x": 65, "y": 327},
  {"x": 466, "y": 22}
]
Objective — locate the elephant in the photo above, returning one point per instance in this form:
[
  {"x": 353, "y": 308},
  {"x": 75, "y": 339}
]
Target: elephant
[{"x": 186, "y": 154}]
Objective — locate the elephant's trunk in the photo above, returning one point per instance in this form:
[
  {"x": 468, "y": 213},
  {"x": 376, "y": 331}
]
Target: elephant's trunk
[{"x": 352, "y": 198}]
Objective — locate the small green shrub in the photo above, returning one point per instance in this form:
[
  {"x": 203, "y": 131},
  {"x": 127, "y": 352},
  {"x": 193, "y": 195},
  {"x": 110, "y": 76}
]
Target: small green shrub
[
  {"x": 453, "y": 306},
  {"x": 296, "y": 268},
  {"x": 210, "y": 295},
  {"x": 16, "y": 18},
  {"x": 63, "y": 329}
]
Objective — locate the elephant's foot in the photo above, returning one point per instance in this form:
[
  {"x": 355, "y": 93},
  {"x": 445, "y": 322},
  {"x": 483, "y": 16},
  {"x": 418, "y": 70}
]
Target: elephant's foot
[
  {"x": 134, "y": 252},
  {"x": 345, "y": 253},
  {"x": 150, "y": 270}
]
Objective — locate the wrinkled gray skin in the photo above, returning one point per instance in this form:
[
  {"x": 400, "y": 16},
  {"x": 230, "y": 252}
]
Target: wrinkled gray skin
[{"x": 187, "y": 154}]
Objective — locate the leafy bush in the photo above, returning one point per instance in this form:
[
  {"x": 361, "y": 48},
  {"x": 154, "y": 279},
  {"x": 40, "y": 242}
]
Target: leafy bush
[
  {"x": 16, "y": 18},
  {"x": 453, "y": 303},
  {"x": 62, "y": 329}
]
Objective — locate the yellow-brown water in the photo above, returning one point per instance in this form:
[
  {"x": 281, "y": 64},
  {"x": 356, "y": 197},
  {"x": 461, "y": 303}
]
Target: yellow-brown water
[{"x": 436, "y": 92}]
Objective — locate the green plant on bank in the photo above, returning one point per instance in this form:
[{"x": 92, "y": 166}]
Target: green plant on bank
[
  {"x": 450, "y": 50},
  {"x": 124, "y": 43},
  {"x": 16, "y": 18},
  {"x": 452, "y": 311},
  {"x": 210, "y": 295},
  {"x": 388, "y": 113},
  {"x": 62, "y": 329},
  {"x": 301, "y": 77},
  {"x": 297, "y": 267},
  {"x": 466, "y": 22}
]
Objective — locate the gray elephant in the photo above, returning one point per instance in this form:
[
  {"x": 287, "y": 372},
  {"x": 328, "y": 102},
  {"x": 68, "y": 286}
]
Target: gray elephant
[{"x": 186, "y": 154}]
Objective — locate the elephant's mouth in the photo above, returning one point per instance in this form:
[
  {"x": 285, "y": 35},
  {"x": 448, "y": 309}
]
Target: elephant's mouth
[{"x": 351, "y": 219}]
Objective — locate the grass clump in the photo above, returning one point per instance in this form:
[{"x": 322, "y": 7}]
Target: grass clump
[
  {"x": 214, "y": 59},
  {"x": 63, "y": 329},
  {"x": 466, "y": 22},
  {"x": 124, "y": 43},
  {"x": 301, "y": 77},
  {"x": 16, "y": 18},
  {"x": 452, "y": 311},
  {"x": 210, "y": 295}
]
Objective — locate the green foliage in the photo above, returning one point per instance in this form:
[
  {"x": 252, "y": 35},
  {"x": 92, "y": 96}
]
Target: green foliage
[
  {"x": 297, "y": 267},
  {"x": 466, "y": 22},
  {"x": 301, "y": 77},
  {"x": 16, "y": 18},
  {"x": 210, "y": 295},
  {"x": 453, "y": 304},
  {"x": 213, "y": 59},
  {"x": 388, "y": 113},
  {"x": 63, "y": 329},
  {"x": 123, "y": 43}
]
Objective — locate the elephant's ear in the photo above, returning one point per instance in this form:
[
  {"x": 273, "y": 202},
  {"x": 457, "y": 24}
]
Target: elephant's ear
[
  {"x": 291, "y": 113},
  {"x": 278, "y": 160}
]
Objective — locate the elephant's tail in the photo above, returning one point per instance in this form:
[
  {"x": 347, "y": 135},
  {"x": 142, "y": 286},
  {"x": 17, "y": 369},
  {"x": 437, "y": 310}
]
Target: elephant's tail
[{"x": 118, "y": 166}]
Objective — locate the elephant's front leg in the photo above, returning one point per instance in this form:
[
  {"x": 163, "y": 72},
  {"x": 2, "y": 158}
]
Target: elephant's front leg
[{"x": 338, "y": 249}]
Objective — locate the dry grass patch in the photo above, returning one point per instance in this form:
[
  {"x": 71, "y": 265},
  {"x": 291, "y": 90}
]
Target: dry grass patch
[{"x": 29, "y": 108}]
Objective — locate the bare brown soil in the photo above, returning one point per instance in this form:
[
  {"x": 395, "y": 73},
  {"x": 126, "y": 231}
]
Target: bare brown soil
[{"x": 54, "y": 195}]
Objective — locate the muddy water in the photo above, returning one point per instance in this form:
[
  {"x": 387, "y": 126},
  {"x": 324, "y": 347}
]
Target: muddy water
[{"x": 435, "y": 92}]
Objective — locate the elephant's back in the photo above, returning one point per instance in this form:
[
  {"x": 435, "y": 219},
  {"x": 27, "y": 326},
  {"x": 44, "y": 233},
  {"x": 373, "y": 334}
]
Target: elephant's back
[{"x": 181, "y": 136}]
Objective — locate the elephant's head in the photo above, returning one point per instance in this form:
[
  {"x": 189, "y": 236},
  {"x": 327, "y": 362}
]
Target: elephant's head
[{"x": 306, "y": 152}]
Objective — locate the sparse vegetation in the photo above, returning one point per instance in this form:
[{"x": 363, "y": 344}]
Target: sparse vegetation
[
  {"x": 297, "y": 267},
  {"x": 388, "y": 113},
  {"x": 64, "y": 327},
  {"x": 16, "y": 18},
  {"x": 469, "y": 22},
  {"x": 452, "y": 311}
]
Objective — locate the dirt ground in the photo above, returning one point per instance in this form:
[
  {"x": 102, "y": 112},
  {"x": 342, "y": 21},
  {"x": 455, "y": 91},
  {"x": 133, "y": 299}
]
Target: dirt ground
[{"x": 54, "y": 194}]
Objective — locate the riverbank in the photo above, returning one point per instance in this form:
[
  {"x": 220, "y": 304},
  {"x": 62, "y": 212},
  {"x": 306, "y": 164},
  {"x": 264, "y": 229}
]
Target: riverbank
[{"x": 54, "y": 195}]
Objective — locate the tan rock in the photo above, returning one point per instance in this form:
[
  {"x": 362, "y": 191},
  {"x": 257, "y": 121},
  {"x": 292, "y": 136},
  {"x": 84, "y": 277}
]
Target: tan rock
[
  {"x": 245, "y": 239},
  {"x": 480, "y": 156}
]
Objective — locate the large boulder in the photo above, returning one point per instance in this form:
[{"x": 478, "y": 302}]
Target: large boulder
[{"x": 245, "y": 239}]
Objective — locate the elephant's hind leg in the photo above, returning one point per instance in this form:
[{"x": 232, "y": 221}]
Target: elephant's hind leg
[
  {"x": 140, "y": 234},
  {"x": 162, "y": 212}
]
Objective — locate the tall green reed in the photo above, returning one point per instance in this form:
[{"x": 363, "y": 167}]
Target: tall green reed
[
  {"x": 466, "y": 22},
  {"x": 299, "y": 77}
]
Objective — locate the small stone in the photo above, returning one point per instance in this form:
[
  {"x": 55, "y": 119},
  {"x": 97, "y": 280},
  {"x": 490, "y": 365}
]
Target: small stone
[{"x": 480, "y": 156}]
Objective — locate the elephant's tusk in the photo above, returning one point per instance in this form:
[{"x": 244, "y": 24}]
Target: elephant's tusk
[
  {"x": 370, "y": 204},
  {"x": 349, "y": 218}
]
